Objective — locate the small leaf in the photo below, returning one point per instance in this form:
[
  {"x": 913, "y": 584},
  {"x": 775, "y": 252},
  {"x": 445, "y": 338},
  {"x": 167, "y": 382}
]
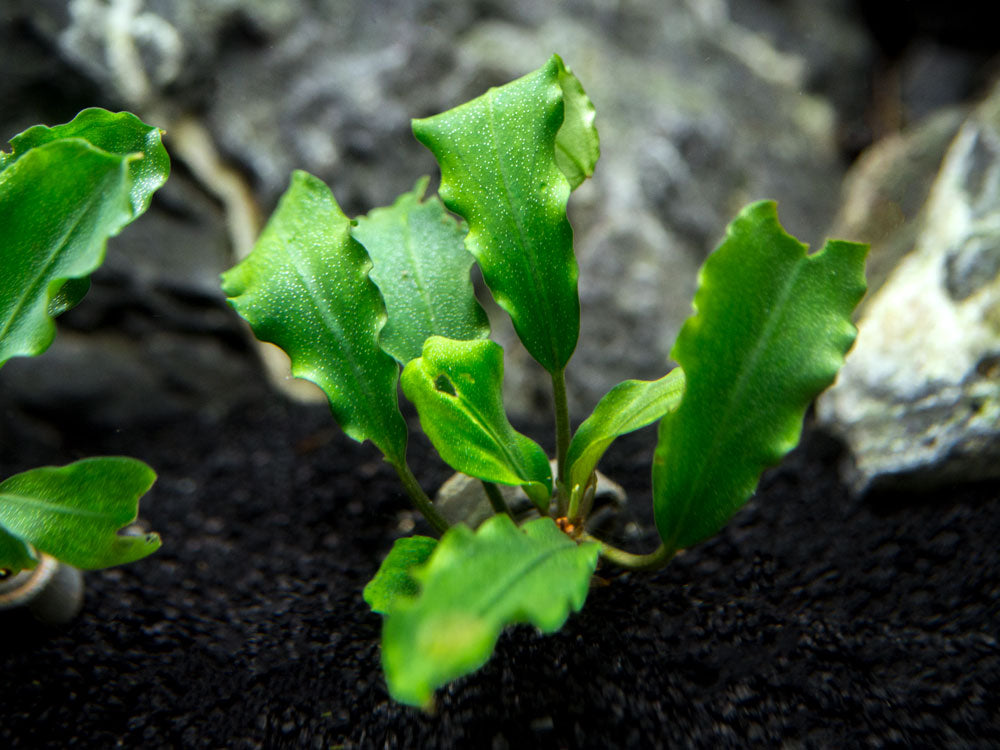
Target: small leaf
[
  {"x": 422, "y": 269},
  {"x": 15, "y": 555},
  {"x": 305, "y": 287},
  {"x": 74, "y": 512},
  {"x": 770, "y": 331},
  {"x": 68, "y": 296},
  {"x": 455, "y": 386},
  {"x": 499, "y": 172},
  {"x": 577, "y": 144},
  {"x": 394, "y": 578},
  {"x": 474, "y": 585},
  {"x": 625, "y": 408},
  {"x": 62, "y": 195}
]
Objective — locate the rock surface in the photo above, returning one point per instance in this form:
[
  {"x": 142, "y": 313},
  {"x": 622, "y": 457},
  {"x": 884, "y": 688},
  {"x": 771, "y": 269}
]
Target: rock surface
[
  {"x": 919, "y": 398},
  {"x": 702, "y": 108}
]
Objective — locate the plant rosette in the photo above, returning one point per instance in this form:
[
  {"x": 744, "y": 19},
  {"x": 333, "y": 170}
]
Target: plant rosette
[{"x": 363, "y": 306}]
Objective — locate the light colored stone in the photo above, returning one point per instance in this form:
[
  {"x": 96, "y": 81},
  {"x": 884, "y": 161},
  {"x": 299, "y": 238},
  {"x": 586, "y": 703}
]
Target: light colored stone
[{"x": 919, "y": 398}]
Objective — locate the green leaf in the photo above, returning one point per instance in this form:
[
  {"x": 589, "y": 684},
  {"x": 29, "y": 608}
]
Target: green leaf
[
  {"x": 455, "y": 386},
  {"x": 422, "y": 270},
  {"x": 74, "y": 512},
  {"x": 626, "y": 407},
  {"x": 394, "y": 579},
  {"x": 770, "y": 331},
  {"x": 499, "y": 172},
  {"x": 577, "y": 144},
  {"x": 15, "y": 555},
  {"x": 119, "y": 133},
  {"x": 62, "y": 195},
  {"x": 474, "y": 585},
  {"x": 305, "y": 287}
]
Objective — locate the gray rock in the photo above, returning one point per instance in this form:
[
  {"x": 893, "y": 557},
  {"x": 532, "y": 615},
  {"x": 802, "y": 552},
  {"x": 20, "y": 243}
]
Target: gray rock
[
  {"x": 699, "y": 113},
  {"x": 919, "y": 398}
]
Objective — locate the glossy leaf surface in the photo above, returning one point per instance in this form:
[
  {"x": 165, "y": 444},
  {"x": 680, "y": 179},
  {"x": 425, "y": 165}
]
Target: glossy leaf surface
[
  {"x": 474, "y": 585},
  {"x": 770, "y": 331},
  {"x": 500, "y": 173},
  {"x": 63, "y": 192},
  {"x": 395, "y": 576},
  {"x": 456, "y": 387},
  {"x": 305, "y": 287},
  {"x": 421, "y": 267},
  {"x": 74, "y": 512},
  {"x": 628, "y": 406},
  {"x": 119, "y": 133}
]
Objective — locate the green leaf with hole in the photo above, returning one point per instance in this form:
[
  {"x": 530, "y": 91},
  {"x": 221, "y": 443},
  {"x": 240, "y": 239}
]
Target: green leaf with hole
[
  {"x": 472, "y": 587},
  {"x": 305, "y": 287},
  {"x": 394, "y": 579},
  {"x": 455, "y": 386},
  {"x": 771, "y": 327},
  {"x": 628, "y": 406},
  {"x": 75, "y": 512},
  {"x": 499, "y": 171},
  {"x": 63, "y": 192},
  {"x": 422, "y": 268}
]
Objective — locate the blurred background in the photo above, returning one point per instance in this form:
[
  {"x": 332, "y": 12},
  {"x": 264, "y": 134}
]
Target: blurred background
[{"x": 870, "y": 121}]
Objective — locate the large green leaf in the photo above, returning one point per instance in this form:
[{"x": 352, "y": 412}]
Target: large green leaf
[
  {"x": 305, "y": 287},
  {"x": 456, "y": 387},
  {"x": 499, "y": 171},
  {"x": 63, "y": 192},
  {"x": 474, "y": 585},
  {"x": 626, "y": 407},
  {"x": 394, "y": 579},
  {"x": 422, "y": 270},
  {"x": 74, "y": 512},
  {"x": 119, "y": 133},
  {"x": 770, "y": 331}
]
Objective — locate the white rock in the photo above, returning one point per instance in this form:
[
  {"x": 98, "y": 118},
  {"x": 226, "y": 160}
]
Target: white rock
[{"x": 918, "y": 401}]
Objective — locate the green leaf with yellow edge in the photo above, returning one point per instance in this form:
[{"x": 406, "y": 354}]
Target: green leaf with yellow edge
[
  {"x": 472, "y": 587},
  {"x": 499, "y": 171},
  {"x": 63, "y": 192},
  {"x": 305, "y": 287},
  {"x": 421, "y": 267},
  {"x": 771, "y": 327},
  {"x": 395, "y": 576},
  {"x": 628, "y": 406},
  {"x": 75, "y": 512},
  {"x": 456, "y": 387}
]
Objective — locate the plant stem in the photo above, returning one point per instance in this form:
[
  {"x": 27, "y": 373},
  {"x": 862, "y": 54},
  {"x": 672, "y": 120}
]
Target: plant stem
[
  {"x": 653, "y": 561},
  {"x": 419, "y": 497},
  {"x": 562, "y": 435},
  {"x": 496, "y": 498}
]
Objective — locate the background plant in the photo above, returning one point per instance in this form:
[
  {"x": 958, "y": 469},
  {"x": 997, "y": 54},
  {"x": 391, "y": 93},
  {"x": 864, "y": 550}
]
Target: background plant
[
  {"x": 352, "y": 301},
  {"x": 64, "y": 191}
]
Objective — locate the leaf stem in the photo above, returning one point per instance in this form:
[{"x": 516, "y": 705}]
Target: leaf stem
[
  {"x": 496, "y": 498},
  {"x": 562, "y": 435},
  {"x": 653, "y": 561},
  {"x": 419, "y": 497}
]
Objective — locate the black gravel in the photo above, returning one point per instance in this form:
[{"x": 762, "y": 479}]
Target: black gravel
[{"x": 814, "y": 619}]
